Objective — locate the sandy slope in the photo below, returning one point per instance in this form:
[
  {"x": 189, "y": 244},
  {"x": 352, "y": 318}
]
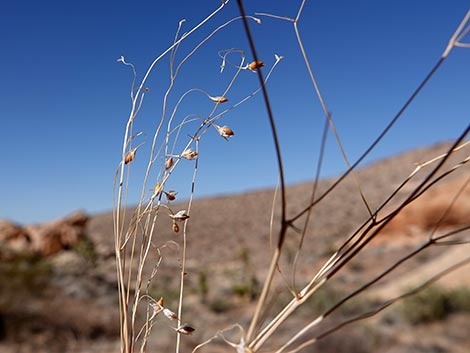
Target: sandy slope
[{"x": 228, "y": 243}]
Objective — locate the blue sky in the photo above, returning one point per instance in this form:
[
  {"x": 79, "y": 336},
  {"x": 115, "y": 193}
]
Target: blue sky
[{"x": 64, "y": 99}]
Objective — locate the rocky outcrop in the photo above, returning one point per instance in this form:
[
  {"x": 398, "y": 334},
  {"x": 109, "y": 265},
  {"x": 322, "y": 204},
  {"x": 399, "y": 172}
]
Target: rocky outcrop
[
  {"x": 42, "y": 239},
  {"x": 13, "y": 239}
]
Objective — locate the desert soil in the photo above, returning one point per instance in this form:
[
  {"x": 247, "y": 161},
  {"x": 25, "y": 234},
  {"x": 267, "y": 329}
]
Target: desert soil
[{"x": 67, "y": 302}]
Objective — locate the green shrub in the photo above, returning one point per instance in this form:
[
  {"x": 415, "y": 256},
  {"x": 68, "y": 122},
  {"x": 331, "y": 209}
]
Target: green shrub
[
  {"x": 220, "y": 305},
  {"x": 203, "y": 285},
  {"x": 249, "y": 288},
  {"x": 86, "y": 249},
  {"x": 326, "y": 297},
  {"x": 435, "y": 303},
  {"x": 21, "y": 278}
]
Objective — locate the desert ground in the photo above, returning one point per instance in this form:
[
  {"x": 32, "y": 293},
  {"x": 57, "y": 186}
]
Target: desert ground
[{"x": 58, "y": 280}]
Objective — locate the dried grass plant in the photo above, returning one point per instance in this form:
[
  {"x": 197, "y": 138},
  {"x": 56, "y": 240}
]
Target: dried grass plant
[{"x": 137, "y": 240}]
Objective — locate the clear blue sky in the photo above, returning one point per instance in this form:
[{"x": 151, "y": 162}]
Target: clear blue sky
[{"x": 64, "y": 99}]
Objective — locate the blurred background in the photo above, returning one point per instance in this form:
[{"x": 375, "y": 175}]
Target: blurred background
[
  {"x": 65, "y": 101},
  {"x": 64, "y": 104}
]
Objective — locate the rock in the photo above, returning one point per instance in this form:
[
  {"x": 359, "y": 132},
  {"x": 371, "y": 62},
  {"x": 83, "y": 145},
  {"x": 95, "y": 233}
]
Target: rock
[
  {"x": 43, "y": 239},
  {"x": 50, "y": 238},
  {"x": 13, "y": 239}
]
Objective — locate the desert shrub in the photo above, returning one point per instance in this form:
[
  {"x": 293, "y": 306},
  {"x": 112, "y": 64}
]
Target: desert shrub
[
  {"x": 435, "y": 303},
  {"x": 249, "y": 288},
  {"x": 327, "y": 297},
  {"x": 20, "y": 277},
  {"x": 459, "y": 300},
  {"x": 174, "y": 145},
  {"x": 220, "y": 305},
  {"x": 203, "y": 285},
  {"x": 86, "y": 249}
]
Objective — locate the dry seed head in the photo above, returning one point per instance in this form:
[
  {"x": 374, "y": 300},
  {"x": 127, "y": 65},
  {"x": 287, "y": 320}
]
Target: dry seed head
[
  {"x": 218, "y": 99},
  {"x": 254, "y": 65},
  {"x": 170, "y": 314},
  {"x": 189, "y": 154},
  {"x": 180, "y": 216},
  {"x": 160, "y": 302},
  {"x": 130, "y": 156},
  {"x": 170, "y": 195},
  {"x": 225, "y": 131},
  {"x": 176, "y": 227},
  {"x": 146, "y": 89},
  {"x": 168, "y": 163},
  {"x": 185, "y": 329}
]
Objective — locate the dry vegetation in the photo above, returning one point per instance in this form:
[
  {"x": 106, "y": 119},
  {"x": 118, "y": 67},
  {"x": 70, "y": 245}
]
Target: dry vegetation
[
  {"x": 283, "y": 280},
  {"x": 274, "y": 270},
  {"x": 81, "y": 286}
]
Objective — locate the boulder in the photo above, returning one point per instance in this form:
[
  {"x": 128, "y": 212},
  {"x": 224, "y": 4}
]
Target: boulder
[
  {"x": 13, "y": 239},
  {"x": 42, "y": 239}
]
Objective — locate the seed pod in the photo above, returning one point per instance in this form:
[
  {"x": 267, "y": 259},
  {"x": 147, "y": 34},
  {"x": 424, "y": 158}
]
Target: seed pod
[
  {"x": 130, "y": 156},
  {"x": 160, "y": 302},
  {"x": 176, "y": 227},
  {"x": 185, "y": 329},
  {"x": 254, "y": 65},
  {"x": 170, "y": 195},
  {"x": 170, "y": 314},
  {"x": 225, "y": 131},
  {"x": 189, "y": 154},
  {"x": 146, "y": 89},
  {"x": 168, "y": 163},
  {"x": 180, "y": 216},
  {"x": 218, "y": 99}
]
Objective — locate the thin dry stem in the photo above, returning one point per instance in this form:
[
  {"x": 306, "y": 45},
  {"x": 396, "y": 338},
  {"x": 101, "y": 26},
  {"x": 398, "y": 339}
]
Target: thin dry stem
[{"x": 135, "y": 239}]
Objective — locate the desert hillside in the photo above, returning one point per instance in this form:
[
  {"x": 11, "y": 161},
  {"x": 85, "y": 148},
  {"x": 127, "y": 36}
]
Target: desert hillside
[{"x": 58, "y": 291}]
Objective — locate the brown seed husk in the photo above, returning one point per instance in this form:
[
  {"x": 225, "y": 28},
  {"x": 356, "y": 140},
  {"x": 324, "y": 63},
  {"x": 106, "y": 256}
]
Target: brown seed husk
[
  {"x": 219, "y": 99},
  {"x": 185, "y": 329},
  {"x": 226, "y": 131},
  {"x": 129, "y": 157},
  {"x": 254, "y": 65},
  {"x": 170, "y": 196},
  {"x": 189, "y": 154},
  {"x": 168, "y": 163}
]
